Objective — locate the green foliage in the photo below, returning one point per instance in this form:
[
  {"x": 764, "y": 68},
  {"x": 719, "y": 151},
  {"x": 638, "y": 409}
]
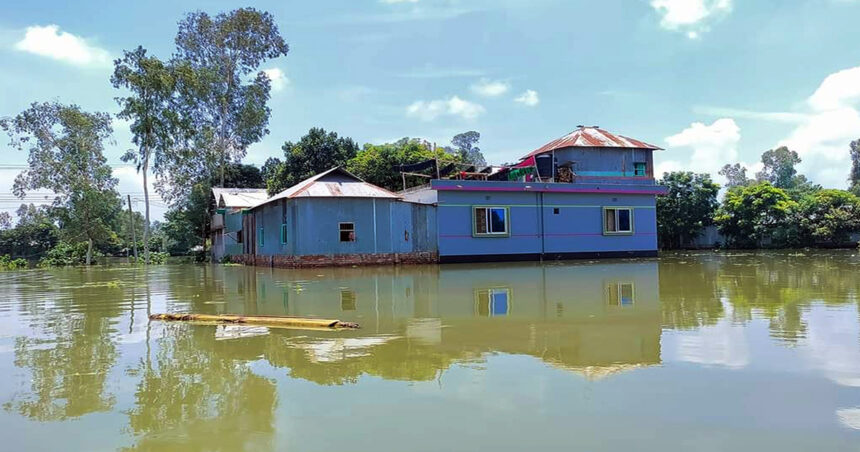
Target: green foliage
[
  {"x": 375, "y": 163},
  {"x": 854, "y": 177},
  {"x": 8, "y": 263},
  {"x": 65, "y": 146},
  {"x": 154, "y": 113},
  {"x": 5, "y": 221},
  {"x": 66, "y": 254},
  {"x": 156, "y": 258},
  {"x": 314, "y": 153},
  {"x": 753, "y": 215},
  {"x": 779, "y": 169},
  {"x": 227, "y": 113},
  {"x": 829, "y": 216},
  {"x": 466, "y": 147},
  {"x": 35, "y": 233},
  {"x": 736, "y": 175},
  {"x": 686, "y": 209}
]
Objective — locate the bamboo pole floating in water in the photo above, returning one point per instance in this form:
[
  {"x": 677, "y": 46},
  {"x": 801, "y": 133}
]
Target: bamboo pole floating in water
[{"x": 261, "y": 320}]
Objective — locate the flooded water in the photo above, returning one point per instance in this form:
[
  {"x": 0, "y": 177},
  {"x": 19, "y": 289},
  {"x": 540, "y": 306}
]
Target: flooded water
[{"x": 704, "y": 352}]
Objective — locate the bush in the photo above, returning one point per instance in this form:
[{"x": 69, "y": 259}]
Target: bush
[
  {"x": 155, "y": 257},
  {"x": 65, "y": 254},
  {"x": 7, "y": 263}
]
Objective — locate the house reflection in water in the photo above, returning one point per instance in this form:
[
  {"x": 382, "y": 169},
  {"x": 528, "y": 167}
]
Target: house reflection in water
[{"x": 594, "y": 319}]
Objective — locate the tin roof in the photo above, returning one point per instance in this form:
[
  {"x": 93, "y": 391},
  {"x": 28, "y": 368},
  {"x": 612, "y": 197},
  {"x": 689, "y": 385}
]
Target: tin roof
[
  {"x": 334, "y": 183},
  {"x": 238, "y": 197},
  {"x": 592, "y": 137}
]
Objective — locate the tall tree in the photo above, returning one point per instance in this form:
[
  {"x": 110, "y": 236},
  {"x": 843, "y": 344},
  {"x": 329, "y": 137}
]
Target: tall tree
[
  {"x": 736, "y": 175},
  {"x": 223, "y": 50},
  {"x": 686, "y": 209},
  {"x": 466, "y": 145},
  {"x": 312, "y": 154},
  {"x": 5, "y": 221},
  {"x": 66, "y": 147},
  {"x": 152, "y": 110},
  {"x": 854, "y": 178},
  {"x": 779, "y": 168}
]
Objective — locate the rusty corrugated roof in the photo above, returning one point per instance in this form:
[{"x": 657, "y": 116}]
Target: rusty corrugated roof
[
  {"x": 592, "y": 137},
  {"x": 334, "y": 183}
]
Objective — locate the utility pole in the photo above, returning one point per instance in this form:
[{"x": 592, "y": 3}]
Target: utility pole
[{"x": 133, "y": 233}]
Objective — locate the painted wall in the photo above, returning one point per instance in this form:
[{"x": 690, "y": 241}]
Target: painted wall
[
  {"x": 381, "y": 226},
  {"x": 224, "y": 240},
  {"x": 535, "y": 228},
  {"x": 607, "y": 164}
]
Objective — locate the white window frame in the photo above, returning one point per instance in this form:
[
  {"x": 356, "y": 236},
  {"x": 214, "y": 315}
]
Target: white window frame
[
  {"x": 616, "y": 209},
  {"x": 490, "y": 233},
  {"x": 341, "y": 230}
]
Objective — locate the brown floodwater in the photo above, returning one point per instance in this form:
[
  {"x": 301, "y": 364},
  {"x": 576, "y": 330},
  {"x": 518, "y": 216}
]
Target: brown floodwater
[{"x": 692, "y": 351}]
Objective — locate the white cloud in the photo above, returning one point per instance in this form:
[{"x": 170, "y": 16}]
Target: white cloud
[
  {"x": 822, "y": 139},
  {"x": 690, "y": 16},
  {"x": 775, "y": 116},
  {"x": 454, "y": 106},
  {"x": 713, "y": 146},
  {"x": 49, "y": 41},
  {"x": 277, "y": 77},
  {"x": 490, "y": 88},
  {"x": 529, "y": 98}
]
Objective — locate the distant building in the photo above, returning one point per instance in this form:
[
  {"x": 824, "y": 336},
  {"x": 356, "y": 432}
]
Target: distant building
[
  {"x": 335, "y": 218},
  {"x": 588, "y": 194},
  {"x": 225, "y": 232}
]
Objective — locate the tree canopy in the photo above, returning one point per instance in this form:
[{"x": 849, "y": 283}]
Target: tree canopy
[
  {"x": 753, "y": 214},
  {"x": 229, "y": 113},
  {"x": 314, "y": 153},
  {"x": 686, "y": 209}
]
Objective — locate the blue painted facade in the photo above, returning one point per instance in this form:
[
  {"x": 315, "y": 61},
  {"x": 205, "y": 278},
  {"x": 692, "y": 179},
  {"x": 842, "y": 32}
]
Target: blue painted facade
[
  {"x": 543, "y": 222},
  {"x": 312, "y": 227}
]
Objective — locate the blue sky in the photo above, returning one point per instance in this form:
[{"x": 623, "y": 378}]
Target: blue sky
[{"x": 712, "y": 81}]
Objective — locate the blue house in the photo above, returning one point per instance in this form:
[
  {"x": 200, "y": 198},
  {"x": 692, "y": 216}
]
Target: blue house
[
  {"x": 335, "y": 218},
  {"x": 225, "y": 230},
  {"x": 588, "y": 194}
]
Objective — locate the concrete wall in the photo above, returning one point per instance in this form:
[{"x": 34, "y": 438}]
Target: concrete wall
[{"x": 535, "y": 228}]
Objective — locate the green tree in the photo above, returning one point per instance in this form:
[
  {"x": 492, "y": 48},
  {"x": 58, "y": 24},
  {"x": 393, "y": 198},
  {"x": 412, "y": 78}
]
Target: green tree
[
  {"x": 375, "y": 163},
  {"x": 750, "y": 215},
  {"x": 153, "y": 113},
  {"x": 854, "y": 178},
  {"x": 314, "y": 153},
  {"x": 66, "y": 147},
  {"x": 466, "y": 145},
  {"x": 228, "y": 113},
  {"x": 35, "y": 233},
  {"x": 686, "y": 209},
  {"x": 829, "y": 216},
  {"x": 779, "y": 168},
  {"x": 5, "y": 221},
  {"x": 736, "y": 175}
]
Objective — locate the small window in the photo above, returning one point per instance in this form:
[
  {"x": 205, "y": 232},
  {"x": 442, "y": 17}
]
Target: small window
[
  {"x": 260, "y": 238},
  {"x": 555, "y": 210},
  {"x": 283, "y": 234},
  {"x": 493, "y": 302},
  {"x": 620, "y": 294},
  {"x": 639, "y": 169},
  {"x": 238, "y": 236},
  {"x": 490, "y": 222},
  {"x": 617, "y": 220},
  {"x": 347, "y": 232}
]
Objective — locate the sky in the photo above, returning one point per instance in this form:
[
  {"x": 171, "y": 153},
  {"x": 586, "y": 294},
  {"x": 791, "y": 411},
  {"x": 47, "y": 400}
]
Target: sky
[{"x": 711, "y": 81}]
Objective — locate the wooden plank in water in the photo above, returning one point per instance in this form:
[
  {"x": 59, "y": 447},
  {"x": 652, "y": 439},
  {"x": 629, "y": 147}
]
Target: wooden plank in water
[{"x": 262, "y": 320}]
